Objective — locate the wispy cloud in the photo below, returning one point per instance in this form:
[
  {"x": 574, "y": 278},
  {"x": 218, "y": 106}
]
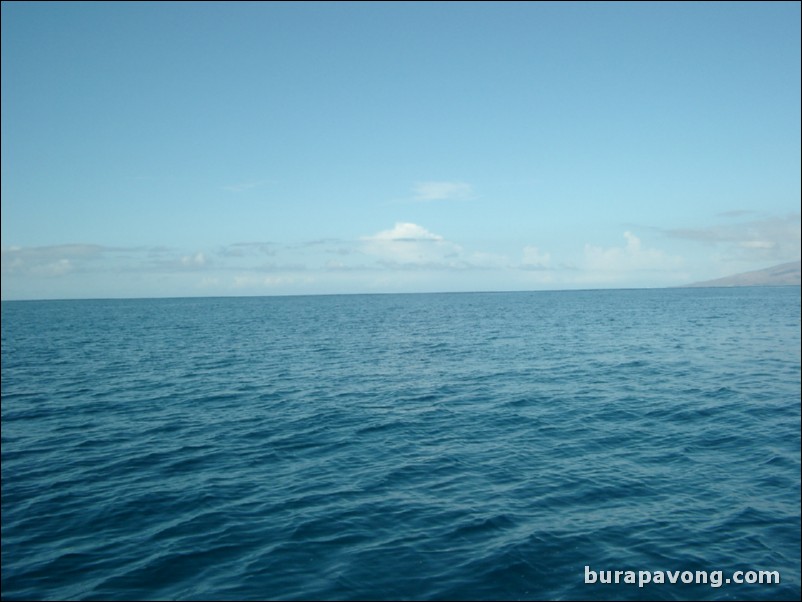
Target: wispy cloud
[
  {"x": 775, "y": 238},
  {"x": 736, "y": 213},
  {"x": 59, "y": 260},
  {"x": 53, "y": 260},
  {"x": 244, "y": 186},
  {"x": 405, "y": 256},
  {"x": 244, "y": 249},
  {"x": 165, "y": 260},
  {"x": 442, "y": 191}
]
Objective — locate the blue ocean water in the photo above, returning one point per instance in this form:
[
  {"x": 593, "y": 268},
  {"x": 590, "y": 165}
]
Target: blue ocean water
[{"x": 437, "y": 446}]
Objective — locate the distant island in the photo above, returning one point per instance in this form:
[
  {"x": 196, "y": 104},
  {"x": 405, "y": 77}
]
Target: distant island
[{"x": 785, "y": 274}]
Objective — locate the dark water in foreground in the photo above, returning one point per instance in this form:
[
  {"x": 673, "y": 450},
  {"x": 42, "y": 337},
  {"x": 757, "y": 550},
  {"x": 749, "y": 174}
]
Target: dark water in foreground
[{"x": 465, "y": 446}]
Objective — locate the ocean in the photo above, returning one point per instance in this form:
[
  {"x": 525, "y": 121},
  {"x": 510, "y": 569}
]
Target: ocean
[{"x": 475, "y": 446}]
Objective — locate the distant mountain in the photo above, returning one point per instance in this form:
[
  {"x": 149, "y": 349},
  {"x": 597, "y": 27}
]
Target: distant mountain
[{"x": 785, "y": 274}]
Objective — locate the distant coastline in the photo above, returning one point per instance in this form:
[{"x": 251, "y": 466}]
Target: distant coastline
[{"x": 785, "y": 274}]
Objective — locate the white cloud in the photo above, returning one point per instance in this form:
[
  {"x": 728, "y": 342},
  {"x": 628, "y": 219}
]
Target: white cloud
[
  {"x": 404, "y": 232},
  {"x": 632, "y": 257},
  {"x": 410, "y": 245},
  {"x": 535, "y": 260},
  {"x": 488, "y": 261},
  {"x": 256, "y": 281},
  {"x": 442, "y": 191},
  {"x": 335, "y": 265},
  {"x": 198, "y": 260},
  {"x": 210, "y": 281}
]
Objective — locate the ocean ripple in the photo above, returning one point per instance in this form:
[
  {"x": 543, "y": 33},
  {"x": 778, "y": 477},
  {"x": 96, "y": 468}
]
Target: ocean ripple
[{"x": 460, "y": 447}]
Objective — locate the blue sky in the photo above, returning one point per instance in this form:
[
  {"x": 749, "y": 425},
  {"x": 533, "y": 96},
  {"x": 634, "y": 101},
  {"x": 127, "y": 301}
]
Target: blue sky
[{"x": 184, "y": 149}]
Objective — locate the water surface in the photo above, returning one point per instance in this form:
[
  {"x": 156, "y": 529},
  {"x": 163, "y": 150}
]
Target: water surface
[{"x": 454, "y": 446}]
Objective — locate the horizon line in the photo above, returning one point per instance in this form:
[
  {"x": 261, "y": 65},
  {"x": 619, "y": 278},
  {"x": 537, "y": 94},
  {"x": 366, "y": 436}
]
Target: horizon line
[{"x": 477, "y": 292}]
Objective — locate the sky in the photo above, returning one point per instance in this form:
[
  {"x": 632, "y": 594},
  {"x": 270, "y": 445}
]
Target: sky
[{"x": 217, "y": 149}]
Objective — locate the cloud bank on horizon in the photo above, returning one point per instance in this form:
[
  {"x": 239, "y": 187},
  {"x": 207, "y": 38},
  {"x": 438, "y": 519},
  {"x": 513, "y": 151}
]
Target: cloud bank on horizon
[
  {"x": 404, "y": 258},
  {"x": 341, "y": 148}
]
